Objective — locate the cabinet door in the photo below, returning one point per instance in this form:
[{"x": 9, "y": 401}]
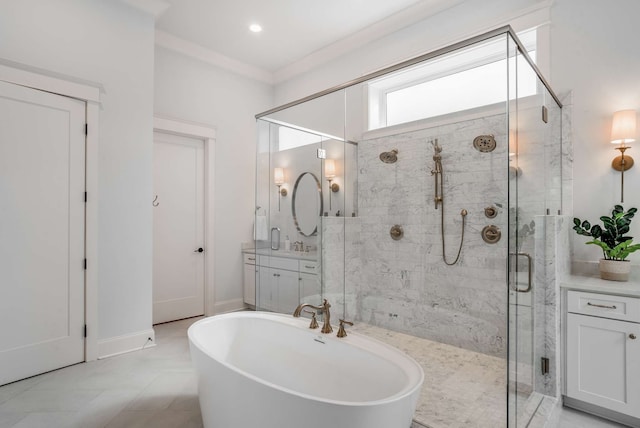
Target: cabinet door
[
  {"x": 267, "y": 291},
  {"x": 250, "y": 284},
  {"x": 603, "y": 363},
  {"x": 288, "y": 295},
  {"x": 310, "y": 289}
]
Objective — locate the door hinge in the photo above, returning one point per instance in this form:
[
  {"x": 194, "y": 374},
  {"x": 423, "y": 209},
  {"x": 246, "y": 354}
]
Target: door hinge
[
  {"x": 545, "y": 114},
  {"x": 85, "y": 264},
  {"x": 321, "y": 154},
  {"x": 544, "y": 365},
  {"x": 86, "y": 129},
  {"x": 85, "y": 330},
  {"x": 85, "y": 196}
]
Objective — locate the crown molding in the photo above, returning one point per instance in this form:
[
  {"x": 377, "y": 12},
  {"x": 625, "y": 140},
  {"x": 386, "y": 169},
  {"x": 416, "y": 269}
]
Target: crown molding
[
  {"x": 384, "y": 27},
  {"x": 194, "y": 50}
]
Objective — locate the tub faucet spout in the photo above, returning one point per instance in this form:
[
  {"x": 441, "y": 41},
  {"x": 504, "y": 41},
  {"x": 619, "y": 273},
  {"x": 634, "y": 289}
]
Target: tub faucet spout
[{"x": 326, "y": 314}]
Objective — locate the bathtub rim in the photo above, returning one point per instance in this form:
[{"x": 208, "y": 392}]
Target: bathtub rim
[{"x": 354, "y": 339}]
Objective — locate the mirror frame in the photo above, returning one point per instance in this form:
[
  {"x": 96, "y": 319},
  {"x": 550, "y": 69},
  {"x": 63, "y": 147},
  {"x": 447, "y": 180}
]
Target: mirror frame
[{"x": 293, "y": 203}]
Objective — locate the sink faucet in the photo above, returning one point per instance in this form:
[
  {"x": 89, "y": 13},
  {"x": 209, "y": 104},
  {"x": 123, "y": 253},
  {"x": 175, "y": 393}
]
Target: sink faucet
[{"x": 326, "y": 326}]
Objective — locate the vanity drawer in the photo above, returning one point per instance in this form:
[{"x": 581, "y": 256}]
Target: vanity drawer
[
  {"x": 604, "y": 305},
  {"x": 249, "y": 259},
  {"x": 278, "y": 263},
  {"x": 308, "y": 266}
]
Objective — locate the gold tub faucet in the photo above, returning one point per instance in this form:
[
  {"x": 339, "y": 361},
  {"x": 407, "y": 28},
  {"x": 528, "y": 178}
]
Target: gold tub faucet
[{"x": 326, "y": 314}]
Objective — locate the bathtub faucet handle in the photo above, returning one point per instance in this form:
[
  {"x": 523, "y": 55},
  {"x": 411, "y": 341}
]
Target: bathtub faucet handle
[
  {"x": 314, "y": 321},
  {"x": 341, "y": 331},
  {"x": 326, "y": 314}
]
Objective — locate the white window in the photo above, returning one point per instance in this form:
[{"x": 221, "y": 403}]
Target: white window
[{"x": 463, "y": 80}]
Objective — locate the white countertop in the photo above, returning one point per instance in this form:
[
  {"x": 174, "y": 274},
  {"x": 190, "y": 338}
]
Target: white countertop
[
  {"x": 596, "y": 285},
  {"x": 311, "y": 255}
]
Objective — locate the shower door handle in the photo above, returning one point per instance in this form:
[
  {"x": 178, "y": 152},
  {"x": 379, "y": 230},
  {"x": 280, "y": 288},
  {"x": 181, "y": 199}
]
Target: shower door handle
[{"x": 515, "y": 287}]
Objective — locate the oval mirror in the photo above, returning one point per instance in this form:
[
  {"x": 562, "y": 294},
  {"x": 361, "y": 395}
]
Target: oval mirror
[{"x": 306, "y": 205}]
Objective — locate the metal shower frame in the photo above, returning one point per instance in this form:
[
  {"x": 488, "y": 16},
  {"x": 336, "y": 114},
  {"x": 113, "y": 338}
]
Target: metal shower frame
[{"x": 507, "y": 29}]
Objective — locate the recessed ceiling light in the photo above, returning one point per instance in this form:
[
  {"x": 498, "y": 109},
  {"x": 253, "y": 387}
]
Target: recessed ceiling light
[{"x": 255, "y": 28}]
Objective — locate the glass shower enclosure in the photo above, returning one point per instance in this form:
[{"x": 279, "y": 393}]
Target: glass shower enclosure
[{"x": 413, "y": 200}]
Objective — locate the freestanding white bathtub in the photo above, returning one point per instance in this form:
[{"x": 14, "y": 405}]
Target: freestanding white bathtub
[{"x": 259, "y": 369}]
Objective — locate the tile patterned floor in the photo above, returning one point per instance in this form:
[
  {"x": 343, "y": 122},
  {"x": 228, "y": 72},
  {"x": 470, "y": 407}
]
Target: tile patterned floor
[
  {"x": 461, "y": 389},
  {"x": 157, "y": 388}
]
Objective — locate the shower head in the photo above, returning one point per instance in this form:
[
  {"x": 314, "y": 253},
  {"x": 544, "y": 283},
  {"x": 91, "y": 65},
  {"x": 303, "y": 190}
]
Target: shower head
[{"x": 389, "y": 157}]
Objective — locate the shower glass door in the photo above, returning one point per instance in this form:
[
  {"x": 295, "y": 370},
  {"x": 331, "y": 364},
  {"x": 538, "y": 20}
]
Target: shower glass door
[
  {"x": 534, "y": 195},
  {"x": 298, "y": 176}
]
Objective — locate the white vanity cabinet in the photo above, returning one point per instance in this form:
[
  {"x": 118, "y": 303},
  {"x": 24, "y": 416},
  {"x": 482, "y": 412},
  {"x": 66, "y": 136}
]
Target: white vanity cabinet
[
  {"x": 278, "y": 289},
  {"x": 282, "y": 282},
  {"x": 603, "y": 351},
  {"x": 309, "y": 282}
]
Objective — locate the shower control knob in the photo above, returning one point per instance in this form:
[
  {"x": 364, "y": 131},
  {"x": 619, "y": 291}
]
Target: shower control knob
[
  {"x": 491, "y": 234},
  {"x": 199, "y": 250},
  {"x": 490, "y": 212}
]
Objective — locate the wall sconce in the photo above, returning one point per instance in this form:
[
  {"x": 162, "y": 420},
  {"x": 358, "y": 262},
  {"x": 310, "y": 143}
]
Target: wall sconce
[
  {"x": 278, "y": 179},
  {"x": 330, "y": 174},
  {"x": 623, "y": 131},
  {"x": 514, "y": 171}
]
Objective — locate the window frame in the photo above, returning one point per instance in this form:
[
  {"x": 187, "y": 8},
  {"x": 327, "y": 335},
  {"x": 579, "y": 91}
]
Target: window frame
[{"x": 376, "y": 92}]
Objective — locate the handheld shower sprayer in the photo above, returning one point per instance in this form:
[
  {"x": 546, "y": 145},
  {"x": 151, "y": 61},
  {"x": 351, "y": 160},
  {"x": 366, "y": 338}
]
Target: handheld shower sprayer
[
  {"x": 439, "y": 200},
  {"x": 437, "y": 171}
]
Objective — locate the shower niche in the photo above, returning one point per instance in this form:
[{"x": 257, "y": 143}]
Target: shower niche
[{"x": 399, "y": 244}]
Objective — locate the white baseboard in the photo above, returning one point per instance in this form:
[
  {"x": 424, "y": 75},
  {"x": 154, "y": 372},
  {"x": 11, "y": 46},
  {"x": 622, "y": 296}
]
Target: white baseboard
[
  {"x": 228, "y": 306},
  {"x": 126, "y": 343}
]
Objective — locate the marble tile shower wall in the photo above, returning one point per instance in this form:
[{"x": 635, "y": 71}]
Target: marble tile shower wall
[{"x": 405, "y": 285}]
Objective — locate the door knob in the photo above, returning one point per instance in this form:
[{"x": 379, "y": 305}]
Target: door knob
[
  {"x": 632, "y": 336},
  {"x": 199, "y": 250}
]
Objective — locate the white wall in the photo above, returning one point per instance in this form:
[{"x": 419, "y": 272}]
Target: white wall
[
  {"x": 111, "y": 44},
  {"x": 188, "y": 89},
  {"x": 593, "y": 46},
  {"x": 595, "y": 54}
]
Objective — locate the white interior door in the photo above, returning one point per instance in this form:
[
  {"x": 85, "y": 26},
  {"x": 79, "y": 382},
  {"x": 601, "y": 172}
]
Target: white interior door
[
  {"x": 42, "y": 184},
  {"x": 178, "y": 227}
]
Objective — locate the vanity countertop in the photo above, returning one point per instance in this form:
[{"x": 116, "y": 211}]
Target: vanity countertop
[
  {"x": 596, "y": 285},
  {"x": 311, "y": 255}
]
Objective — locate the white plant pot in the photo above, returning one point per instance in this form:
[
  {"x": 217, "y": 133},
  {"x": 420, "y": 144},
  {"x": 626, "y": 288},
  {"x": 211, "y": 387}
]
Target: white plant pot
[{"x": 615, "y": 270}]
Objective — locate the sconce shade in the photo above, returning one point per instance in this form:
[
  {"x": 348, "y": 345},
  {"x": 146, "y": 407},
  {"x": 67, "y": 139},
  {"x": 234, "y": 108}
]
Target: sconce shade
[
  {"x": 329, "y": 168},
  {"x": 623, "y": 127},
  {"x": 278, "y": 176}
]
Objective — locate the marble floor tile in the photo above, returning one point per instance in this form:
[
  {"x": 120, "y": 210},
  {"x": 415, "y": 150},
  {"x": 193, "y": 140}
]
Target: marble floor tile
[
  {"x": 157, "y": 419},
  {"x": 163, "y": 391},
  {"x": 104, "y": 408},
  {"x": 49, "y": 401},
  {"x": 15, "y": 388},
  {"x": 10, "y": 419},
  {"x": 46, "y": 420}
]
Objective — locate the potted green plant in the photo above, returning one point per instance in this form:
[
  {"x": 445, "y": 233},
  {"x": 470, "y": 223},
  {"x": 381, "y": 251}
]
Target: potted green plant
[{"x": 615, "y": 246}]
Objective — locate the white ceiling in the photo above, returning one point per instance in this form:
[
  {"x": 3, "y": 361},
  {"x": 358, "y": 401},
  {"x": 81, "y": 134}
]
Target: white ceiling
[{"x": 293, "y": 29}]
